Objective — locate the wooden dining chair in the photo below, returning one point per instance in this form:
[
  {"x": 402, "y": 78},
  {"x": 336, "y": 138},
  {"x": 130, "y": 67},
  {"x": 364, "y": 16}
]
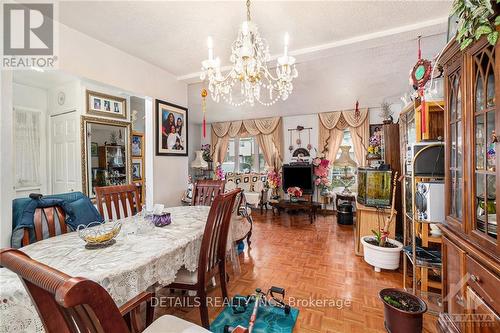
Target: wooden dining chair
[
  {"x": 118, "y": 199},
  {"x": 48, "y": 222},
  {"x": 73, "y": 304},
  {"x": 206, "y": 190},
  {"x": 211, "y": 260}
]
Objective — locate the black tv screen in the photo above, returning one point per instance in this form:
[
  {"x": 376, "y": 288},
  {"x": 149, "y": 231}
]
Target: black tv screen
[{"x": 298, "y": 175}]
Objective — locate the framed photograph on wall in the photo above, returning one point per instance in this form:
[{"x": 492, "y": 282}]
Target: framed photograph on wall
[
  {"x": 100, "y": 104},
  {"x": 171, "y": 129},
  {"x": 137, "y": 170},
  {"x": 376, "y": 128},
  {"x": 137, "y": 144}
]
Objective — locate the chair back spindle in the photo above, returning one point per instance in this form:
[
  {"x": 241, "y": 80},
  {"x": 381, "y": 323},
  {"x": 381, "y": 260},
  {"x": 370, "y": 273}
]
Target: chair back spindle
[
  {"x": 206, "y": 190},
  {"x": 121, "y": 201},
  {"x": 50, "y": 219}
]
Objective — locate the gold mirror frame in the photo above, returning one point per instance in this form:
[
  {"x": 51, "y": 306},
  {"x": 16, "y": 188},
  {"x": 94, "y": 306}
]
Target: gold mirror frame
[{"x": 84, "y": 120}]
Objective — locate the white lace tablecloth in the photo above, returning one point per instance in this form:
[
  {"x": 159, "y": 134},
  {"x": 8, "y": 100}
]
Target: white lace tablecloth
[{"x": 140, "y": 258}]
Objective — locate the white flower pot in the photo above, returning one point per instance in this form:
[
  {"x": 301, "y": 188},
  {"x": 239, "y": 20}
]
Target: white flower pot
[{"x": 381, "y": 257}]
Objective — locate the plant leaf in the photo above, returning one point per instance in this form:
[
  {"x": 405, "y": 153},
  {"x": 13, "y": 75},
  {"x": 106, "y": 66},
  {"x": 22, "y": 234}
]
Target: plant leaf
[
  {"x": 465, "y": 43},
  {"x": 493, "y": 37},
  {"x": 497, "y": 19}
]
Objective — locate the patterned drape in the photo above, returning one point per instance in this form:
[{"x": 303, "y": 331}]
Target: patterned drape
[
  {"x": 268, "y": 133},
  {"x": 331, "y": 126}
]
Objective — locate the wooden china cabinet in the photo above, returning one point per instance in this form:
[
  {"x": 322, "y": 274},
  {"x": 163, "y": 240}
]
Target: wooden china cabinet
[{"x": 471, "y": 256}]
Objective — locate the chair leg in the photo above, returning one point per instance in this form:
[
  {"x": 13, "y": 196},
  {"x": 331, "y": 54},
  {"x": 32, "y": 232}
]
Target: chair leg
[
  {"x": 223, "y": 280},
  {"x": 150, "y": 311},
  {"x": 203, "y": 308}
]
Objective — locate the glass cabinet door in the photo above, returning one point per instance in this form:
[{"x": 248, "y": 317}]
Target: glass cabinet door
[
  {"x": 484, "y": 159},
  {"x": 455, "y": 128}
]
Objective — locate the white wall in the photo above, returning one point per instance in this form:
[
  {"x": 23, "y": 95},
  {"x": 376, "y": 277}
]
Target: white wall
[
  {"x": 310, "y": 120},
  {"x": 84, "y": 56}
]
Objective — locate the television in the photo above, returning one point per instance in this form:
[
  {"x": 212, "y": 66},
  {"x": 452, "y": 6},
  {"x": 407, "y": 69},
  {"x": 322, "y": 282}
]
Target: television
[
  {"x": 300, "y": 175},
  {"x": 374, "y": 187}
]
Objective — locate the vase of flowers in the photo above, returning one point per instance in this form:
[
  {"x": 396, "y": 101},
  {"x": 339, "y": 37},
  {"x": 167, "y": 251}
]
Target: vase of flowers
[
  {"x": 274, "y": 182},
  {"x": 322, "y": 168},
  {"x": 219, "y": 173},
  {"x": 294, "y": 193}
]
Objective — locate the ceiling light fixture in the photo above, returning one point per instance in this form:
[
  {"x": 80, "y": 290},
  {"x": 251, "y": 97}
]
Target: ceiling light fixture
[{"x": 249, "y": 57}]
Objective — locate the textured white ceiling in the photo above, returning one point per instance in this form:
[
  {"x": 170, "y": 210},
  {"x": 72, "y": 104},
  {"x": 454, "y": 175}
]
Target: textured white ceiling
[{"x": 172, "y": 34}]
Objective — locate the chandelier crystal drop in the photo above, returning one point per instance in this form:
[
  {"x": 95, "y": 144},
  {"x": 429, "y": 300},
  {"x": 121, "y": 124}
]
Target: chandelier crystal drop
[{"x": 249, "y": 73}]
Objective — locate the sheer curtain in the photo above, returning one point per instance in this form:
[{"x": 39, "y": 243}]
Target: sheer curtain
[{"x": 27, "y": 148}]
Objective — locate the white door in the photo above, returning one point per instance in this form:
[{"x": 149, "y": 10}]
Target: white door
[{"x": 65, "y": 151}]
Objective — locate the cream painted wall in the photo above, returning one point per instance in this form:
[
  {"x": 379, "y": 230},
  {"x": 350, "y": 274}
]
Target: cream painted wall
[
  {"x": 86, "y": 57},
  {"x": 310, "y": 120}
]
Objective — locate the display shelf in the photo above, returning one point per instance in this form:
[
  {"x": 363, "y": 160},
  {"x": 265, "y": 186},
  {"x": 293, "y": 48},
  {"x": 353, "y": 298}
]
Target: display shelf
[{"x": 414, "y": 229}]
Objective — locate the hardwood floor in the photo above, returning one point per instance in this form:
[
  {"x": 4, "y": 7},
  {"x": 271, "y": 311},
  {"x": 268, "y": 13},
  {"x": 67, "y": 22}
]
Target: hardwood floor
[{"x": 311, "y": 262}]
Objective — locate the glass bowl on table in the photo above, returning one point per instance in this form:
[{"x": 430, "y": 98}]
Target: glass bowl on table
[{"x": 98, "y": 235}]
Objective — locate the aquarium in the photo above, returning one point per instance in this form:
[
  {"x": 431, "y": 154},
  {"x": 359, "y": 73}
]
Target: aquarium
[{"x": 374, "y": 187}]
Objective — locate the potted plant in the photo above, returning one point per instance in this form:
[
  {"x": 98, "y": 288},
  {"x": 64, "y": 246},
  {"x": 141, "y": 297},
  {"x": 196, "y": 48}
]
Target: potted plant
[
  {"x": 386, "y": 113},
  {"x": 403, "y": 312},
  {"x": 294, "y": 193},
  {"x": 379, "y": 250}
]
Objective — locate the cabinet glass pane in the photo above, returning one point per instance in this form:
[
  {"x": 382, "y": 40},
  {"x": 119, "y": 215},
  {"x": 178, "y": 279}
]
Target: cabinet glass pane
[
  {"x": 490, "y": 98},
  {"x": 459, "y": 99},
  {"x": 457, "y": 193},
  {"x": 453, "y": 104},
  {"x": 490, "y": 149},
  {"x": 491, "y": 216},
  {"x": 453, "y": 203},
  {"x": 453, "y": 145},
  {"x": 479, "y": 94},
  {"x": 459, "y": 145},
  {"x": 479, "y": 141}
]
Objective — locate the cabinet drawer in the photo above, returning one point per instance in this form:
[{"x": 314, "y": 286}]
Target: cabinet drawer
[{"x": 484, "y": 283}]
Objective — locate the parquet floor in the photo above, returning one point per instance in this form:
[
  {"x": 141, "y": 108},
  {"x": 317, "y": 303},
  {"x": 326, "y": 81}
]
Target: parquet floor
[{"x": 311, "y": 262}]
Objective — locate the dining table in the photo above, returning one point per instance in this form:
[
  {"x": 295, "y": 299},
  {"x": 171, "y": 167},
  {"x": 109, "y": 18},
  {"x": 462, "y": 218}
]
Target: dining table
[{"x": 143, "y": 257}]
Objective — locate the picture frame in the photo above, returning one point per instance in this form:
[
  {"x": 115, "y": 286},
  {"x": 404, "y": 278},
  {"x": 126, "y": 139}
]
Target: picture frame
[
  {"x": 94, "y": 149},
  {"x": 99, "y": 104},
  {"x": 171, "y": 129},
  {"x": 137, "y": 170},
  {"x": 375, "y": 128},
  {"x": 137, "y": 144}
]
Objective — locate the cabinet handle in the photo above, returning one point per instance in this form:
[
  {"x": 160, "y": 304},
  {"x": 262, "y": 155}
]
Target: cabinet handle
[{"x": 475, "y": 278}]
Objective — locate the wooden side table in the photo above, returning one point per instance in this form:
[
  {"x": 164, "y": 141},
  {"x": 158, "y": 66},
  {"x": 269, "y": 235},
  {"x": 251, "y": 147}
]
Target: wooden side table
[
  {"x": 367, "y": 219},
  {"x": 345, "y": 197}
]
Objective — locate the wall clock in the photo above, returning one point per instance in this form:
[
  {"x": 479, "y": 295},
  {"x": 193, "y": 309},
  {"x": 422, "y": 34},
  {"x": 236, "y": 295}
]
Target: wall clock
[{"x": 61, "y": 98}]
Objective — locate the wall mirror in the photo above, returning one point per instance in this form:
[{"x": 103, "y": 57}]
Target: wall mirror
[{"x": 106, "y": 153}]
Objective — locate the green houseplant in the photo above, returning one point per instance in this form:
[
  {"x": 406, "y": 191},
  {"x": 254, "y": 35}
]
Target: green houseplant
[{"x": 474, "y": 21}]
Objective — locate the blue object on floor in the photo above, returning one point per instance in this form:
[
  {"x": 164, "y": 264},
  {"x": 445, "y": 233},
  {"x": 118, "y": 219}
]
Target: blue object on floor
[
  {"x": 269, "y": 319},
  {"x": 241, "y": 247}
]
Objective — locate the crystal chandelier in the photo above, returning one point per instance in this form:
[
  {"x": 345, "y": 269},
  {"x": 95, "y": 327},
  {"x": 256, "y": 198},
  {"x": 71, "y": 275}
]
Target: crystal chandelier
[{"x": 249, "y": 73}]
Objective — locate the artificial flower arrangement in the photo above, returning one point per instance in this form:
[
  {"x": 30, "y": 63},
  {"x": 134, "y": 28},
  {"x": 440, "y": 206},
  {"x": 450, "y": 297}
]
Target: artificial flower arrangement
[
  {"x": 322, "y": 168},
  {"x": 374, "y": 145},
  {"x": 294, "y": 192},
  {"x": 274, "y": 181},
  {"x": 219, "y": 173}
]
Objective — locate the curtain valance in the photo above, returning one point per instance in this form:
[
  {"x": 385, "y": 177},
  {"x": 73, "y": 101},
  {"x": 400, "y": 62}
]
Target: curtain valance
[
  {"x": 268, "y": 132},
  {"x": 332, "y": 124}
]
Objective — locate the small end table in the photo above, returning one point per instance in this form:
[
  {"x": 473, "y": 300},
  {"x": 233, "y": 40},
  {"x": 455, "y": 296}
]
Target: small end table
[{"x": 344, "y": 196}]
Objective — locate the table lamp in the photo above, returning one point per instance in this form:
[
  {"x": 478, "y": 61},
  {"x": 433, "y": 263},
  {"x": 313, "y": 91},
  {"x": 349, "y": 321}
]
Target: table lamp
[{"x": 345, "y": 161}]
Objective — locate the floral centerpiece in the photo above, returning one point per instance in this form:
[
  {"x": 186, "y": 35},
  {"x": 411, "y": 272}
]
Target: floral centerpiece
[
  {"x": 274, "y": 182},
  {"x": 322, "y": 168},
  {"x": 294, "y": 192},
  {"x": 219, "y": 173},
  {"x": 374, "y": 146}
]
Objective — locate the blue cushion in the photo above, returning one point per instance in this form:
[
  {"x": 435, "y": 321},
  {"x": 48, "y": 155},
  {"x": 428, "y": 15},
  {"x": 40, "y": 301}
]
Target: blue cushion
[{"x": 81, "y": 211}]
